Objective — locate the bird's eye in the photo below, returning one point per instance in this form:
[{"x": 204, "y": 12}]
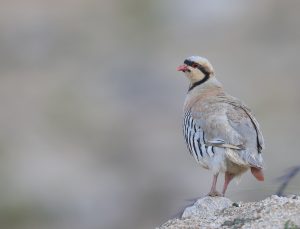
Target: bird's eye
[{"x": 195, "y": 65}]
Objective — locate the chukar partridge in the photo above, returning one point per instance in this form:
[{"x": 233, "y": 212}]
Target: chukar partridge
[{"x": 219, "y": 130}]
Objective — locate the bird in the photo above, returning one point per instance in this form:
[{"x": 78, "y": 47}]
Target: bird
[{"x": 220, "y": 131}]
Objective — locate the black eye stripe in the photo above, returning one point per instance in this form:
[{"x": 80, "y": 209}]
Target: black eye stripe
[{"x": 191, "y": 63}]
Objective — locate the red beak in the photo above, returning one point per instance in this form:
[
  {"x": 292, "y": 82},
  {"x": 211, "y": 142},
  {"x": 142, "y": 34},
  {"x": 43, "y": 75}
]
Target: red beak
[{"x": 182, "y": 68}]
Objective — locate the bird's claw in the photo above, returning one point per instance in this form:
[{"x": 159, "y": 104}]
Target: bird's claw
[{"x": 215, "y": 193}]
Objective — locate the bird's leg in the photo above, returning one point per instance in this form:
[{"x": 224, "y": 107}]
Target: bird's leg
[
  {"x": 213, "y": 191},
  {"x": 228, "y": 178}
]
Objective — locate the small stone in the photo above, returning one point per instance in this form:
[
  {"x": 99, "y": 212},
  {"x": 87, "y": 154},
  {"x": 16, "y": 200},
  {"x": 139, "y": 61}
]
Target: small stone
[
  {"x": 235, "y": 205},
  {"x": 292, "y": 196}
]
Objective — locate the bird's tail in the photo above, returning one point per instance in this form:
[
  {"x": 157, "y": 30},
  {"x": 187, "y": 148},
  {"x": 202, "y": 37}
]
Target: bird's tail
[{"x": 258, "y": 173}]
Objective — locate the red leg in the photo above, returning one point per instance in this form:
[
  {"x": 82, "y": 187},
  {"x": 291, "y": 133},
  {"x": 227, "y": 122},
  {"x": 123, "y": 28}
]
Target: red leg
[
  {"x": 213, "y": 191},
  {"x": 228, "y": 178}
]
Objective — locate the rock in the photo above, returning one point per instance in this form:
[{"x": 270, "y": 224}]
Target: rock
[
  {"x": 206, "y": 206},
  {"x": 220, "y": 212}
]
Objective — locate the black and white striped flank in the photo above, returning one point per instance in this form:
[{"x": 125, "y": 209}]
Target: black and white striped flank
[{"x": 195, "y": 139}]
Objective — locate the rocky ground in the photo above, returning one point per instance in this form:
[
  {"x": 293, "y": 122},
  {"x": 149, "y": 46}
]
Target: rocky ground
[{"x": 220, "y": 212}]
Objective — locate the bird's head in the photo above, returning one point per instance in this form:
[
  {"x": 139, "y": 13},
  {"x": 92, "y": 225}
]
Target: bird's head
[{"x": 196, "y": 69}]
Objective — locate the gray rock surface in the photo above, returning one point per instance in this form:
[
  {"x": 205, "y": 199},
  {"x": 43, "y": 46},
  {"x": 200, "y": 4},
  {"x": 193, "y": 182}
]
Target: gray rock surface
[
  {"x": 220, "y": 212},
  {"x": 205, "y": 207}
]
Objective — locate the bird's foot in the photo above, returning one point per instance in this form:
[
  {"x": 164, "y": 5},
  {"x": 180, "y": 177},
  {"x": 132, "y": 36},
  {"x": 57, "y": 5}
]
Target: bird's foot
[{"x": 214, "y": 193}]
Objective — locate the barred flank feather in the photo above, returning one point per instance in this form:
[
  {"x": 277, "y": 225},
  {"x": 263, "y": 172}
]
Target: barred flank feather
[{"x": 194, "y": 138}]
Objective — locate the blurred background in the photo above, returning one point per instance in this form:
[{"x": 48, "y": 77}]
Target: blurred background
[{"x": 91, "y": 105}]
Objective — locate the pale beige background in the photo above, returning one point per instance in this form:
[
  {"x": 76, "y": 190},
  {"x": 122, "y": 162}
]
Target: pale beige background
[{"x": 91, "y": 104}]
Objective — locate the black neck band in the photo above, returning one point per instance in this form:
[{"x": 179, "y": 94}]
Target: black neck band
[
  {"x": 201, "y": 68},
  {"x": 199, "y": 82}
]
